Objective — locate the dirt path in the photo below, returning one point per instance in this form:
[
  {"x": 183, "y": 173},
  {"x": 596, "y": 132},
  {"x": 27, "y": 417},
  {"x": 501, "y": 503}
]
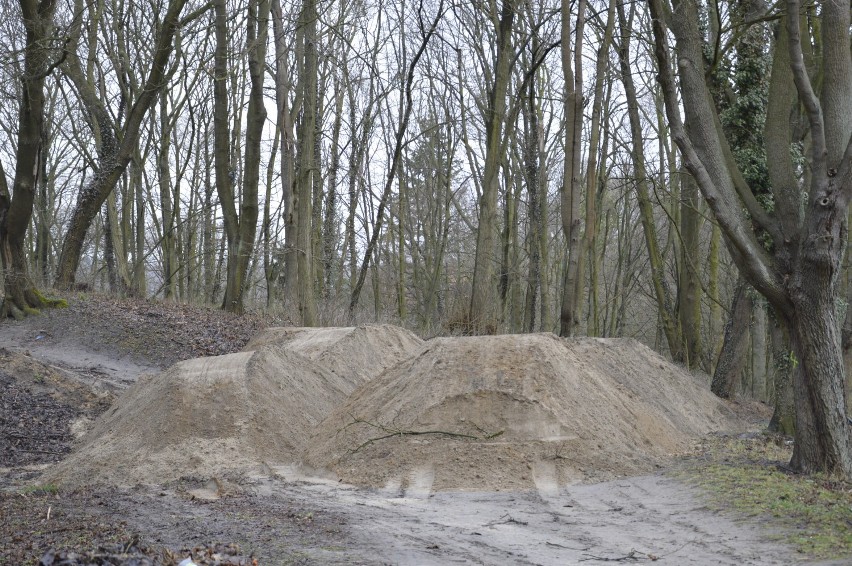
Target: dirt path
[
  {"x": 633, "y": 520},
  {"x": 650, "y": 515}
]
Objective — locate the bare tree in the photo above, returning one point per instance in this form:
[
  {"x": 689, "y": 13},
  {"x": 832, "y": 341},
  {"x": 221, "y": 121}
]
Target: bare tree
[
  {"x": 117, "y": 147},
  {"x": 16, "y": 207},
  {"x": 240, "y": 228},
  {"x": 798, "y": 272},
  {"x": 481, "y": 315},
  {"x": 399, "y": 137}
]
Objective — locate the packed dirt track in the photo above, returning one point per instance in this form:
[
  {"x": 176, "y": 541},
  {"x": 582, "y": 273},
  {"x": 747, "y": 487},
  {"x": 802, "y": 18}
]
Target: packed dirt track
[{"x": 361, "y": 445}]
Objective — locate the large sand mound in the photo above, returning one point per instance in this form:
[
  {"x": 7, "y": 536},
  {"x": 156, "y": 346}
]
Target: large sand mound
[
  {"x": 499, "y": 412},
  {"x": 207, "y": 417},
  {"x": 237, "y": 413},
  {"x": 358, "y": 354},
  {"x": 513, "y": 412}
]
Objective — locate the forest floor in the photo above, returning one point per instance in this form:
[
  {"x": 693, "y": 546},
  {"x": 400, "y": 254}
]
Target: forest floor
[{"x": 60, "y": 371}]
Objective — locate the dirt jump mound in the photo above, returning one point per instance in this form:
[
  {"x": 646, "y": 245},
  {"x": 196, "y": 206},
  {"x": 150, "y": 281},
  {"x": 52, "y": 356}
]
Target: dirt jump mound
[
  {"x": 233, "y": 414},
  {"x": 515, "y": 412},
  {"x": 358, "y": 354},
  {"x": 207, "y": 417}
]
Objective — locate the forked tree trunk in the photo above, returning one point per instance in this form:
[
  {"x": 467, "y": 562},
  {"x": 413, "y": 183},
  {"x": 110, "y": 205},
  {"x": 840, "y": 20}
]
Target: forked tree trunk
[
  {"x": 799, "y": 279},
  {"x": 114, "y": 155}
]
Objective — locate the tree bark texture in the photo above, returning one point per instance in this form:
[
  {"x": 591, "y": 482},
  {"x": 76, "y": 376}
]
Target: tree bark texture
[{"x": 728, "y": 376}]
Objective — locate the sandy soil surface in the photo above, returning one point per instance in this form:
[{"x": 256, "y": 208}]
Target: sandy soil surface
[
  {"x": 517, "y": 412},
  {"x": 280, "y": 516}
]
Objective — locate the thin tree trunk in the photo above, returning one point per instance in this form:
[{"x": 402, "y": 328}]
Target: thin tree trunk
[
  {"x": 482, "y": 314},
  {"x": 589, "y": 241},
  {"x": 732, "y": 360},
  {"x": 288, "y": 147},
  {"x": 572, "y": 68},
  {"x": 658, "y": 279}
]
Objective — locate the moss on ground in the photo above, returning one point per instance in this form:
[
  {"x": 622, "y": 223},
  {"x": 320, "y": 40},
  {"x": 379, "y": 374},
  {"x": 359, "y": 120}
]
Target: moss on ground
[
  {"x": 749, "y": 475},
  {"x": 50, "y": 301}
]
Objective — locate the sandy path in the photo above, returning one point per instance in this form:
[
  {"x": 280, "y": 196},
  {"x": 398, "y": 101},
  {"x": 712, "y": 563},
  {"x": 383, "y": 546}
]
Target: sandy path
[{"x": 588, "y": 524}]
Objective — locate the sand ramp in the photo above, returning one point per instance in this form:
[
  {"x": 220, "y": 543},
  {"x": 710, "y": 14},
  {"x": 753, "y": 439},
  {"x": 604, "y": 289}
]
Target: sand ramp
[
  {"x": 516, "y": 412},
  {"x": 358, "y": 354},
  {"x": 237, "y": 413},
  {"x": 379, "y": 407}
]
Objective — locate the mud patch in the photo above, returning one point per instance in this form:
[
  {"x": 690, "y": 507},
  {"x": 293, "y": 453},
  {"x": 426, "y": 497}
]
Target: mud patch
[{"x": 41, "y": 408}]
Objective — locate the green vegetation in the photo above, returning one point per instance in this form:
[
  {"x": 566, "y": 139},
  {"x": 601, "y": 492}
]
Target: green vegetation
[
  {"x": 748, "y": 475},
  {"x": 51, "y": 302},
  {"x": 46, "y": 489}
]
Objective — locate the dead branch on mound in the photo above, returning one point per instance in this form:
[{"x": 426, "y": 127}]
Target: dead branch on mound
[
  {"x": 391, "y": 432},
  {"x": 548, "y": 543},
  {"x": 505, "y": 520},
  {"x": 632, "y": 556}
]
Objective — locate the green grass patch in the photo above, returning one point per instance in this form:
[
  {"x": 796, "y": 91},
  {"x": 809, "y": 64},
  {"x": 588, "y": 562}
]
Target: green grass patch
[
  {"x": 46, "y": 489},
  {"x": 747, "y": 475}
]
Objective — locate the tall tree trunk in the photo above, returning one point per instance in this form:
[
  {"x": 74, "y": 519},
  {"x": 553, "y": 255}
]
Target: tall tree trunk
[
  {"x": 44, "y": 214},
  {"x": 482, "y": 314},
  {"x": 532, "y": 152},
  {"x": 658, "y": 279},
  {"x": 164, "y": 178},
  {"x": 572, "y": 68},
  {"x": 16, "y": 208},
  {"x": 303, "y": 189},
  {"x": 140, "y": 285},
  {"x": 330, "y": 226},
  {"x": 241, "y": 230},
  {"x": 589, "y": 242},
  {"x": 288, "y": 147},
  {"x": 113, "y": 156}
]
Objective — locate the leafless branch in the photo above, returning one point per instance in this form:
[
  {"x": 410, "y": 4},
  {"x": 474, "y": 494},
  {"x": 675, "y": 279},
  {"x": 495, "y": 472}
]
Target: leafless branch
[{"x": 394, "y": 431}]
